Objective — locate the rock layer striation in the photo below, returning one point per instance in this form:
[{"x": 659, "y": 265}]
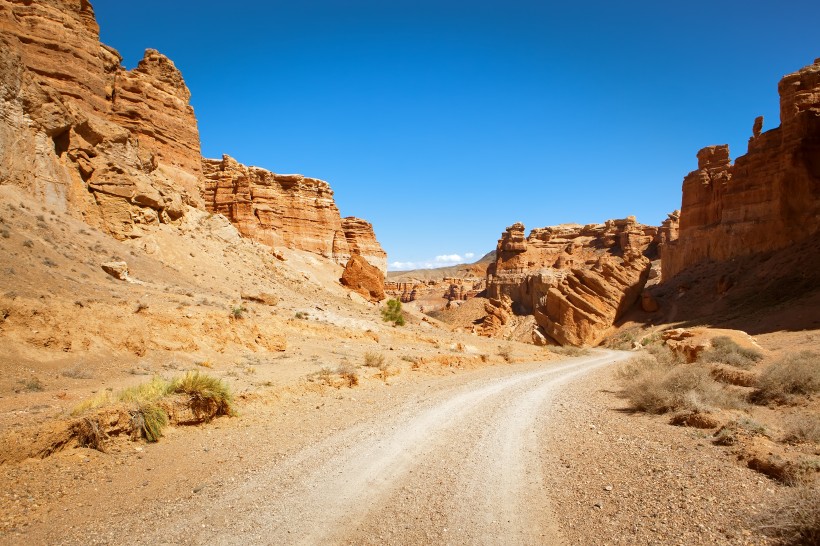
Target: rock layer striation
[
  {"x": 288, "y": 210},
  {"x": 768, "y": 199},
  {"x": 575, "y": 280}
]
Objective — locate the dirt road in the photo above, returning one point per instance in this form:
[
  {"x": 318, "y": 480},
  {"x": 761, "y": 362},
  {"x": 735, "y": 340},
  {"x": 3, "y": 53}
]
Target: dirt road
[{"x": 457, "y": 465}]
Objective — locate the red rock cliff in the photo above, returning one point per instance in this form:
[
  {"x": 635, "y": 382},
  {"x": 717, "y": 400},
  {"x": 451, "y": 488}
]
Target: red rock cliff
[
  {"x": 575, "y": 280},
  {"x": 68, "y": 134},
  {"x": 768, "y": 200},
  {"x": 288, "y": 210}
]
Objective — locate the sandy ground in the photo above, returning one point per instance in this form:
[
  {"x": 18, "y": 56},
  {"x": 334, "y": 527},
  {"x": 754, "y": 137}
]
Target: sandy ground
[{"x": 501, "y": 454}]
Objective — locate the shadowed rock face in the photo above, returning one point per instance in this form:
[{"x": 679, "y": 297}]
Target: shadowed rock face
[
  {"x": 81, "y": 133},
  {"x": 575, "y": 280},
  {"x": 288, "y": 210},
  {"x": 768, "y": 200}
]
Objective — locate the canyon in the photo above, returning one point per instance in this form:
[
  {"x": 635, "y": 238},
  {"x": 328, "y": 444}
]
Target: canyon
[{"x": 125, "y": 254}]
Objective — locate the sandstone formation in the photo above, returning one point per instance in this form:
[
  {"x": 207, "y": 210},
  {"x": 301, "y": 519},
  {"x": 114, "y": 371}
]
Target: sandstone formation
[
  {"x": 81, "y": 133},
  {"x": 121, "y": 148},
  {"x": 361, "y": 239},
  {"x": 432, "y": 294},
  {"x": 362, "y": 277},
  {"x": 768, "y": 200},
  {"x": 288, "y": 210},
  {"x": 576, "y": 280}
]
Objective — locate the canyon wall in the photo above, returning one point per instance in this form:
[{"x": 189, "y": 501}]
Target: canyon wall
[
  {"x": 288, "y": 210},
  {"x": 575, "y": 280},
  {"x": 80, "y": 133},
  {"x": 768, "y": 200},
  {"x": 121, "y": 148}
]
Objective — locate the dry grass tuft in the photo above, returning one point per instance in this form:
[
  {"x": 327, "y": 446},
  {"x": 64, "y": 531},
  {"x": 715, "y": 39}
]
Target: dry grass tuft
[
  {"x": 796, "y": 374},
  {"x": 148, "y": 421},
  {"x": 373, "y": 360},
  {"x": 349, "y": 374},
  {"x": 795, "y": 518},
  {"x": 802, "y": 428},
  {"x": 569, "y": 350},
  {"x": 658, "y": 382},
  {"x": 209, "y": 395},
  {"x": 505, "y": 352},
  {"x": 725, "y": 351}
]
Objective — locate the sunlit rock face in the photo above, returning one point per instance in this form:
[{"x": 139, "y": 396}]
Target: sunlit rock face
[{"x": 575, "y": 280}]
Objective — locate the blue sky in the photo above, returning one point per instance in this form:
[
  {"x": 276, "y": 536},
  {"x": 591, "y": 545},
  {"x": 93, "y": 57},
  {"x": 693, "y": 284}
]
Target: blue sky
[{"x": 443, "y": 122}]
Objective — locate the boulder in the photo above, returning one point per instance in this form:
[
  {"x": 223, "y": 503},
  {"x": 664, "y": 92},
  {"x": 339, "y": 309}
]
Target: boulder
[{"x": 363, "y": 278}]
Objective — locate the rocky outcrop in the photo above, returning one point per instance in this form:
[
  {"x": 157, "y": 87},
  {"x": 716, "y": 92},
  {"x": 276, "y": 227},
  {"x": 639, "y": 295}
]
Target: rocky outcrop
[
  {"x": 361, "y": 239},
  {"x": 768, "y": 200},
  {"x": 64, "y": 136},
  {"x": 434, "y": 294},
  {"x": 575, "y": 280},
  {"x": 287, "y": 210},
  {"x": 362, "y": 277}
]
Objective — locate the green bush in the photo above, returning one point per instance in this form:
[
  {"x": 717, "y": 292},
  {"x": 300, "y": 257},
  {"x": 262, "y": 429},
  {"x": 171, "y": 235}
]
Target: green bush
[{"x": 392, "y": 313}]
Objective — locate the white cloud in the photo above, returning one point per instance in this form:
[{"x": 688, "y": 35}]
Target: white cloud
[
  {"x": 449, "y": 259},
  {"x": 439, "y": 261}
]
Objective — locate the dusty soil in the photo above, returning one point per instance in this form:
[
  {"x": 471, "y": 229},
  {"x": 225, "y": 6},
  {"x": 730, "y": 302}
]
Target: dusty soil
[{"x": 510, "y": 454}]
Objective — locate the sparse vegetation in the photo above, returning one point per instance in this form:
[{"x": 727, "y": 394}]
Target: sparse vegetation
[
  {"x": 730, "y": 433},
  {"x": 301, "y": 316},
  {"x": 624, "y": 341},
  {"x": 373, "y": 360},
  {"x": 238, "y": 312},
  {"x": 32, "y": 385},
  {"x": 658, "y": 383},
  {"x": 794, "y": 375},
  {"x": 795, "y": 518},
  {"x": 725, "y": 351},
  {"x": 28, "y": 243},
  {"x": 208, "y": 396},
  {"x": 393, "y": 313},
  {"x": 803, "y": 427},
  {"x": 205, "y": 364},
  {"x": 569, "y": 350},
  {"x": 505, "y": 352},
  {"x": 77, "y": 373},
  {"x": 349, "y": 374}
]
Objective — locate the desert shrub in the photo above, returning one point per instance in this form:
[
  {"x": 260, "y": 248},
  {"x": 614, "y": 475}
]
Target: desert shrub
[
  {"x": 730, "y": 433},
  {"x": 505, "y": 352},
  {"x": 726, "y": 351},
  {"x": 349, "y": 374},
  {"x": 238, "y": 312},
  {"x": 662, "y": 385},
  {"x": 373, "y": 360},
  {"x": 301, "y": 316},
  {"x": 623, "y": 340},
  {"x": 796, "y": 374},
  {"x": 392, "y": 312},
  {"x": 569, "y": 350},
  {"x": 32, "y": 385},
  {"x": 804, "y": 427},
  {"x": 77, "y": 373},
  {"x": 794, "y": 518},
  {"x": 208, "y": 394}
]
